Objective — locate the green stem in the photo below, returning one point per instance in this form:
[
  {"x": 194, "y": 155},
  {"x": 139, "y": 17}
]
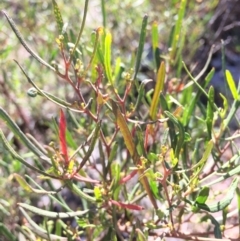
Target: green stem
[{"x": 81, "y": 29}]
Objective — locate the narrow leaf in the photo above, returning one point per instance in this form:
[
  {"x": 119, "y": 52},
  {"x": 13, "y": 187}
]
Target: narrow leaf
[
  {"x": 40, "y": 231},
  {"x": 140, "y": 235},
  {"x": 50, "y": 214},
  {"x": 140, "y": 45},
  {"x": 62, "y": 137},
  {"x": 158, "y": 89},
  {"x": 171, "y": 127},
  {"x": 127, "y": 206},
  {"x": 223, "y": 111},
  {"x": 203, "y": 195},
  {"x": 155, "y": 43},
  {"x": 85, "y": 10},
  {"x": 74, "y": 188},
  {"x": 128, "y": 177},
  {"x": 19, "y": 158},
  {"x": 217, "y": 228},
  {"x": 154, "y": 35},
  {"x": 132, "y": 149},
  {"x": 80, "y": 178},
  {"x": 7, "y": 233},
  {"x": 124, "y": 130},
  {"x": 93, "y": 137},
  {"x": 141, "y": 91},
  {"x": 209, "y": 77},
  {"x": 223, "y": 203},
  {"x": 107, "y": 57},
  {"x": 209, "y": 118},
  {"x": 21, "y": 136},
  {"x": 50, "y": 97},
  {"x": 181, "y": 134},
  {"x": 24, "y": 44},
  {"x": 177, "y": 28},
  {"x": 28, "y": 188},
  {"x": 238, "y": 204},
  {"x": 231, "y": 84}
]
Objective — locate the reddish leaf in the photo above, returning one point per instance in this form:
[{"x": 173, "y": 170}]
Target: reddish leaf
[
  {"x": 62, "y": 137},
  {"x": 128, "y": 177},
  {"x": 80, "y": 178},
  {"x": 127, "y": 206}
]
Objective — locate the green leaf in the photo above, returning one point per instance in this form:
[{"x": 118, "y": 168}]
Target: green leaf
[
  {"x": 93, "y": 137},
  {"x": 74, "y": 188},
  {"x": 225, "y": 106},
  {"x": 199, "y": 166},
  {"x": 203, "y": 195},
  {"x": 140, "y": 46},
  {"x": 141, "y": 91},
  {"x": 118, "y": 68},
  {"x": 224, "y": 202},
  {"x": 171, "y": 127},
  {"x": 231, "y": 84},
  {"x": 209, "y": 77},
  {"x": 115, "y": 168},
  {"x": 113, "y": 152},
  {"x": 40, "y": 231},
  {"x": 24, "y": 44},
  {"x": 107, "y": 57},
  {"x": 181, "y": 134},
  {"x": 28, "y": 188},
  {"x": 85, "y": 10},
  {"x": 7, "y": 233},
  {"x": 194, "y": 98},
  {"x": 155, "y": 42},
  {"x": 154, "y": 187},
  {"x": 158, "y": 89},
  {"x": 152, "y": 157},
  {"x": 19, "y": 158},
  {"x": 174, "y": 160},
  {"x": 100, "y": 46},
  {"x": 19, "y": 134},
  {"x": 121, "y": 122},
  {"x": 178, "y": 28},
  {"x": 187, "y": 137},
  {"x": 209, "y": 118},
  {"x": 238, "y": 203},
  {"x": 50, "y": 214},
  {"x": 104, "y": 15},
  {"x": 50, "y": 97},
  {"x": 128, "y": 140},
  {"x": 140, "y": 235},
  {"x": 97, "y": 193},
  {"x": 85, "y": 224},
  {"x": 217, "y": 229}
]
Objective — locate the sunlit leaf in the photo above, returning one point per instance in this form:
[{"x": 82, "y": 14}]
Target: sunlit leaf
[
  {"x": 203, "y": 195},
  {"x": 231, "y": 84},
  {"x": 107, "y": 57},
  {"x": 158, "y": 89},
  {"x": 27, "y": 187}
]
